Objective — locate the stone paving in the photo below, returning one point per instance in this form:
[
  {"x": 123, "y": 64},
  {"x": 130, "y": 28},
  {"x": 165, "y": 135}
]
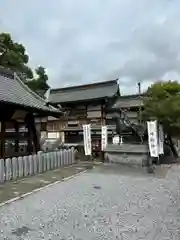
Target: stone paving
[{"x": 101, "y": 204}]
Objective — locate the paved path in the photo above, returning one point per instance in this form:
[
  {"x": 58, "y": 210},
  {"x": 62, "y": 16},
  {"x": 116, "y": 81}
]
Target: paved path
[{"x": 99, "y": 204}]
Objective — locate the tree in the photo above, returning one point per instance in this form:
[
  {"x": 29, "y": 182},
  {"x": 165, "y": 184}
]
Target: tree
[
  {"x": 13, "y": 55},
  {"x": 163, "y": 103},
  {"x": 40, "y": 82}
]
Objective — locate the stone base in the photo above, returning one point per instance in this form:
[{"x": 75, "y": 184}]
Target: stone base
[
  {"x": 133, "y": 159},
  {"x": 127, "y": 154}
]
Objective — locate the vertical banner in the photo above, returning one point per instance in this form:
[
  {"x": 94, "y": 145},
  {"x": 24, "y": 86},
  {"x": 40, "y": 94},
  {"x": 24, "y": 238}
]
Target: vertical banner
[
  {"x": 103, "y": 137},
  {"x": 87, "y": 139},
  {"x": 161, "y": 140},
  {"x": 153, "y": 138}
]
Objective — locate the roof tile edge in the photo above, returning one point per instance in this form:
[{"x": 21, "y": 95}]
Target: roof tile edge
[
  {"x": 78, "y": 87},
  {"x": 6, "y": 72}
]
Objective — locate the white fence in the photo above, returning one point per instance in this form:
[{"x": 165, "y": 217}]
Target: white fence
[{"x": 15, "y": 168}]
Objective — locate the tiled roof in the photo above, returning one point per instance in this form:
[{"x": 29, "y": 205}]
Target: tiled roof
[
  {"x": 84, "y": 92},
  {"x": 128, "y": 101},
  {"x": 13, "y": 90}
]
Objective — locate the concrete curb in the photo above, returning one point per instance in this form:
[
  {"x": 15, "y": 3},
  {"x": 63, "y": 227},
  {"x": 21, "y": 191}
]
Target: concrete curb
[{"x": 40, "y": 189}]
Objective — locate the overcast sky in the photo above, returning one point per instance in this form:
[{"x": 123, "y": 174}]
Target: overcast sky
[{"x": 83, "y": 41}]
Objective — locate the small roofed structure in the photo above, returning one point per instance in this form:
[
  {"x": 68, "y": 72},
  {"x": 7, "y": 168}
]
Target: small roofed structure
[
  {"x": 19, "y": 106},
  {"x": 128, "y": 101}
]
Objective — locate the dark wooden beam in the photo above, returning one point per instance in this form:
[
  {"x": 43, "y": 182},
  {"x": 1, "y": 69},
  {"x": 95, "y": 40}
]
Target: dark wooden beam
[
  {"x": 29, "y": 135},
  {"x": 2, "y": 139},
  {"x": 14, "y": 135},
  {"x": 7, "y": 112},
  {"x": 16, "y": 127}
]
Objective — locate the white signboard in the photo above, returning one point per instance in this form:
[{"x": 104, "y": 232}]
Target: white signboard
[
  {"x": 153, "y": 138},
  {"x": 87, "y": 139},
  {"x": 116, "y": 139},
  {"x": 161, "y": 140},
  {"x": 103, "y": 137}
]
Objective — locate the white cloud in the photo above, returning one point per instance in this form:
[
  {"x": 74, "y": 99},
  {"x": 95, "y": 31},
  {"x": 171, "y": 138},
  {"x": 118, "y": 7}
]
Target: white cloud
[{"x": 85, "y": 41}]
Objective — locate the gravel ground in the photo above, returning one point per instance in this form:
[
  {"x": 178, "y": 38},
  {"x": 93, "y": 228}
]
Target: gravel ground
[
  {"x": 99, "y": 204},
  {"x": 13, "y": 189}
]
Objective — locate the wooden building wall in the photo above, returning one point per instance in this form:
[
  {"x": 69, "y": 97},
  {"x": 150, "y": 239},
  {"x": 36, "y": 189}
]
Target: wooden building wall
[
  {"x": 70, "y": 126},
  {"x": 75, "y": 117},
  {"x": 18, "y": 134}
]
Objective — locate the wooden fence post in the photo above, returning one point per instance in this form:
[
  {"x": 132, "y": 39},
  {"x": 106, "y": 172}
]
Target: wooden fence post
[
  {"x": 20, "y": 167},
  {"x": 26, "y": 165},
  {"x": 2, "y": 171},
  {"x": 35, "y": 163},
  {"x": 8, "y": 169},
  {"x": 31, "y": 168},
  {"x": 40, "y": 163},
  {"x": 14, "y": 168}
]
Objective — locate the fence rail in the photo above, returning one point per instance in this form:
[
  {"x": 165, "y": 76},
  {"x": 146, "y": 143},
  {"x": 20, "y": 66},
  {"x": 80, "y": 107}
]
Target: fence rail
[{"x": 19, "y": 167}]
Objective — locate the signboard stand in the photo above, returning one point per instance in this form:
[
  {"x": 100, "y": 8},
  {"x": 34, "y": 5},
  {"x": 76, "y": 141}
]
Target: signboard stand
[
  {"x": 116, "y": 140},
  {"x": 121, "y": 140}
]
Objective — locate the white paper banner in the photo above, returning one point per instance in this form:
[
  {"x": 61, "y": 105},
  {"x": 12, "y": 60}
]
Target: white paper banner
[
  {"x": 153, "y": 138},
  {"x": 161, "y": 140},
  {"x": 103, "y": 137},
  {"x": 87, "y": 139}
]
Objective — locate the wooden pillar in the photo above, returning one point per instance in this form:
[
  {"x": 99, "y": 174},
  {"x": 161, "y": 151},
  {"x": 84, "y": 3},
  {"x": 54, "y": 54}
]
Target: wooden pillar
[
  {"x": 36, "y": 136},
  {"x": 102, "y": 115},
  {"x": 33, "y": 139},
  {"x": 2, "y": 145},
  {"x": 16, "y": 126},
  {"x": 29, "y": 140}
]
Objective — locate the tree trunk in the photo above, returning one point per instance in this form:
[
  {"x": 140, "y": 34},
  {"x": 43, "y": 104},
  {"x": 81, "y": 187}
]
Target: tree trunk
[{"x": 171, "y": 144}]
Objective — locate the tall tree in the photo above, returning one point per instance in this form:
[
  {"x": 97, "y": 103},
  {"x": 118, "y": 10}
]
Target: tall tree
[
  {"x": 163, "y": 104},
  {"x": 39, "y": 83},
  {"x": 13, "y": 55}
]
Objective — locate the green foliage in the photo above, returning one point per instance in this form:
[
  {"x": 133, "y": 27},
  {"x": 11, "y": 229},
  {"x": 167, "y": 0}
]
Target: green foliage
[
  {"x": 13, "y": 56},
  {"x": 163, "y": 103},
  {"x": 40, "y": 82}
]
